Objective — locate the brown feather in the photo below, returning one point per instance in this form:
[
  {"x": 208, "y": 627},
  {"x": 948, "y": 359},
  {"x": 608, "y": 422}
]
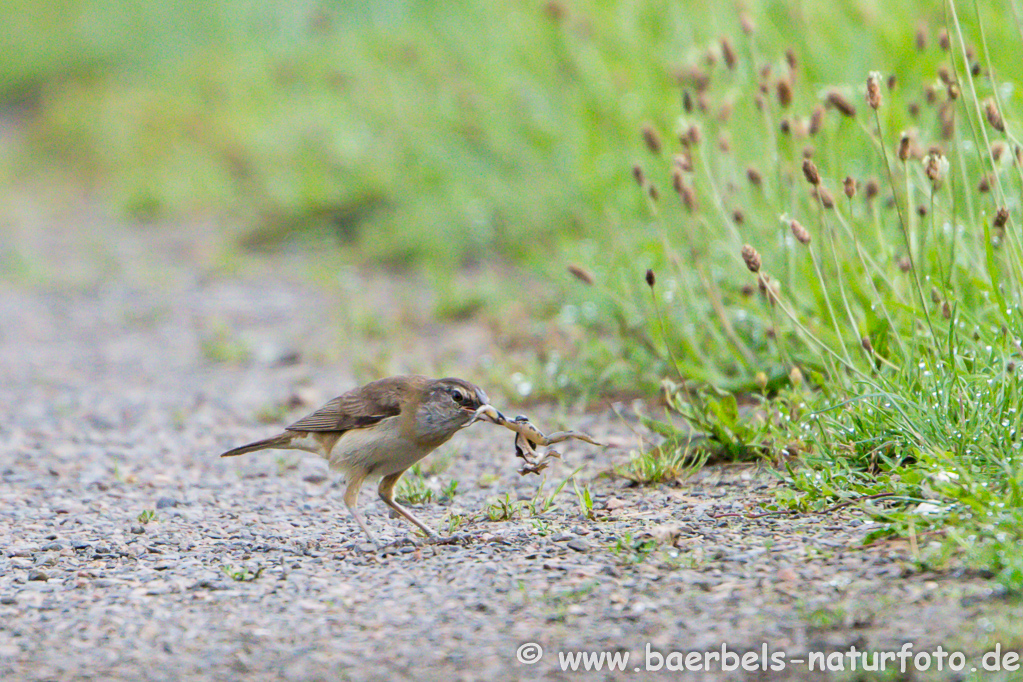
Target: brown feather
[
  {"x": 266, "y": 444},
  {"x": 361, "y": 407}
]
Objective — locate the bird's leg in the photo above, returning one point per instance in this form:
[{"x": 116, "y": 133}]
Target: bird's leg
[
  {"x": 352, "y": 500},
  {"x": 386, "y": 491}
]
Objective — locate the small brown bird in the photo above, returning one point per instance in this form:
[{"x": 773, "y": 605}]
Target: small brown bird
[{"x": 382, "y": 429}]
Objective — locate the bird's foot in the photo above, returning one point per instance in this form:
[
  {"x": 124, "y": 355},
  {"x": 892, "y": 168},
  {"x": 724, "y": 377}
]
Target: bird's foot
[
  {"x": 457, "y": 539},
  {"x": 374, "y": 545},
  {"x": 395, "y": 546}
]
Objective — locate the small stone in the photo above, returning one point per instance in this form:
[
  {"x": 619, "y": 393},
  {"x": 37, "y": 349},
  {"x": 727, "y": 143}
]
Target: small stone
[
  {"x": 315, "y": 478},
  {"x": 665, "y": 533},
  {"x": 46, "y": 559},
  {"x": 80, "y": 544},
  {"x": 8, "y": 600},
  {"x": 788, "y": 575},
  {"x": 563, "y": 537},
  {"x": 207, "y": 584},
  {"x": 367, "y": 547},
  {"x": 579, "y": 545},
  {"x": 52, "y": 547},
  {"x": 36, "y": 574},
  {"x": 165, "y": 502},
  {"x": 138, "y": 528}
]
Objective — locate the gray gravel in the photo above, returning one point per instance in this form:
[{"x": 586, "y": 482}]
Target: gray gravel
[{"x": 130, "y": 551}]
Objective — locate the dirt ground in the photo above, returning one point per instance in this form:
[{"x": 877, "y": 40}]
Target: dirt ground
[{"x": 130, "y": 551}]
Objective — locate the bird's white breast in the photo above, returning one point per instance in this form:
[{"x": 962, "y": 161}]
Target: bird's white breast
[{"x": 379, "y": 450}]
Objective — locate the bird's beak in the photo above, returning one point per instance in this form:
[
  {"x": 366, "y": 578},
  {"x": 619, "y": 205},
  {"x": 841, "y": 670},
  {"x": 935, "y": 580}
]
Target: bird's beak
[{"x": 486, "y": 412}]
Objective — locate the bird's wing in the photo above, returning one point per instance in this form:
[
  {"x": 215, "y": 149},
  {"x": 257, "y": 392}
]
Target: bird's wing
[{"x": 359, "y": 408}]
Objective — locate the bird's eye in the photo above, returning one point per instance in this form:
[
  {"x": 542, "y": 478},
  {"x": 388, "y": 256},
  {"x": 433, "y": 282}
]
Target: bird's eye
[{"x": 457, "y": 395}]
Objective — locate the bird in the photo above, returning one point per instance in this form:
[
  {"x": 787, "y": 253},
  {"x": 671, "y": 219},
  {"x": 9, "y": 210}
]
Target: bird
[{"x": 380, "y": 430}]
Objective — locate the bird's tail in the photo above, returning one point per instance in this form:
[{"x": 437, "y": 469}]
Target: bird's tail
[{"x": 281, "y": 441}]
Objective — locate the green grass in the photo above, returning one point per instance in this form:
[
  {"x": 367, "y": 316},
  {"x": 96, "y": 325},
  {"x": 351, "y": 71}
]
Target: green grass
[
  {"x": 414, "y": 487},
  {"x": 507, "y": 509},
  {"x": 388, "y": 126},
  {"x": 878, "y": 338},
  {"x": 428, "y": 134}
]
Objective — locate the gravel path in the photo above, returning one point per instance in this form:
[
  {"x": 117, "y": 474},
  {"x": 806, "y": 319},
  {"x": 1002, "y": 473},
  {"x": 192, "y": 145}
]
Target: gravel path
[{"x": 118, "y": 394}]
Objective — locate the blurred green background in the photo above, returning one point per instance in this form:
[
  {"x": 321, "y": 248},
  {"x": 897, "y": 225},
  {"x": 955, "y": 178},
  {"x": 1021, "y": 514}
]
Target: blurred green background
[
  {"x": 435, "y": 137},
  {"x": 411, "y": 132}
]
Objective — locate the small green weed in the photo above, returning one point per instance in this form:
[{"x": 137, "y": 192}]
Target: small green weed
[
  {"x": 412, "y": 489},
  {"x": 505, "y": 509},
  {"x": 541, "y": 526},
  {"x": 454, "y": 521},
  {"x": 585, "y": 499},
  {"x": 449, "y": 491},
  {"x": 632, "y": 550},
  {"x": 241, "y": 573},
  {"x": 147, "y": 516}
]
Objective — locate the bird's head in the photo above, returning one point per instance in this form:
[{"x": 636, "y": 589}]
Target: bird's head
[{"x": 449, "y": 404}]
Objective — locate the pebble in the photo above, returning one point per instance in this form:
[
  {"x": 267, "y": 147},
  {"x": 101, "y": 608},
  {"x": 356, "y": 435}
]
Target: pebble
[
  {"x": 788, "y": 575},
  {"x": 579, "y": 545},
  {"x": 166, "y": 502},
  {"x": 47, "y": 559},
  {"x": 37, "y": 575}
]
